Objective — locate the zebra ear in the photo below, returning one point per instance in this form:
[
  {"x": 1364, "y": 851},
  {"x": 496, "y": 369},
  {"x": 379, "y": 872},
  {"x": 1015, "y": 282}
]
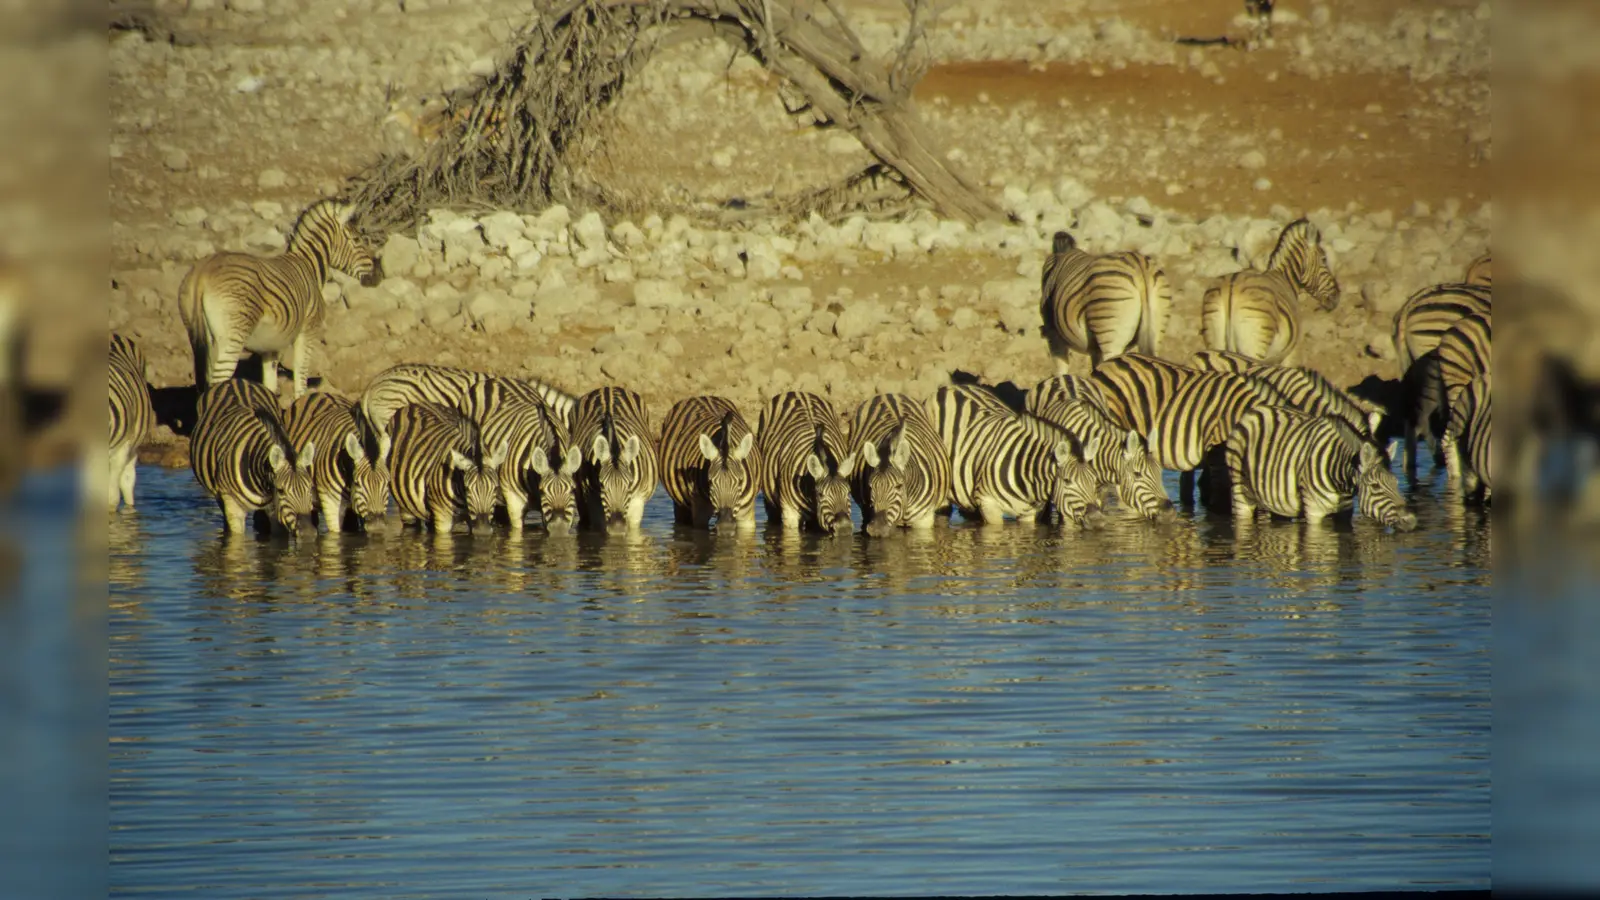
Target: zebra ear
[
  {"x": 708, "y": 448},
  {"x": 307, "y": 454},
  {"x": 496, "y": 459},
  {"x": 847, "y": 465},
  {"x": 573, "y": 461},
  {"x": 815, "y": 467},
  {"x": 276, "y": 458},
  {"x": 630, "y": 450},
  {"x": 343, "y": 212},
  {"x": 1091, "y": 447},
  {"x": 600, "y": 450},
  {"x": 1370, "y": 456},
  {"x": 742, "y": 449},
  {"x": 384, "y": 443},
  {"x": 1063, "y": 452},
  {"x": 539, "y": 464},
  {"x": 352, "y": 446},
  {"x": 900, "y": 452},
  {"x": 1374, "y": 420},
  {"x": 1133, "y": 446},
  {"x": 869, "y": 454},
  {"x": 459, "y": 460}
]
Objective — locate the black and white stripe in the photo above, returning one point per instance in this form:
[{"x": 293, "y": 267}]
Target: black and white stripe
[
  {"x": 902, "y": 473},
  {"x": 1000, "y": 468},
  {"x": 1257, "y": 313},
  {"x": 1470, "y": 426},
  {"x": 1286, "y": 462},
  {"x": 352, "y": 472},
  {"x": 1101, "y": 305},
  {"x": 620, "y": 466},
  {"x": 1479, "y": 272},
  {"x": 1124, "y": 463},
  {"x": 407, "y": 383},
  {"x": 132, "y": 416},
  {"x": 242, "y": 455},
  {"x": 1463, "y": 355},
  {"x": 1426, "y": 315},
  {"x": 709, "y": 463},
  {"x": 232, "y": 303},
  {"x": 1300, "y": 387},
  {"x": 439, "y": 469},
  {"x": 539, "y": 449},
  {"x": 805, "y": 466}
]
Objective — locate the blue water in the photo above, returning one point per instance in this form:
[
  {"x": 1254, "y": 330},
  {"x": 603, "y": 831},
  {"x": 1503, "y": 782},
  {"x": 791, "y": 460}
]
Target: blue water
[{"x": 983, "y": 710}]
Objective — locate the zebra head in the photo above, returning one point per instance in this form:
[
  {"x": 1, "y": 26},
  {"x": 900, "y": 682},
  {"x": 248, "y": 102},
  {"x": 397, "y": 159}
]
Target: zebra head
[
  {"x": 1378, "y": 494},
  {"x": 1138, "y": 479},
  {"x": 558, "y": 497},
  {"x": 728, "y": 476},
  {"x": 481, "y": 481},
  {"x": 293, "y": 489},
  {"x": 369, "y": 478},
  {"x": 831, "y": 491},
  {"x": 886, "y": 483},
  {"x": 324, "y": 232},
  {"x": 617, "y": 473},
  {"x": 1300, "y": 256},
  {"x": 1076, "y": 492}
]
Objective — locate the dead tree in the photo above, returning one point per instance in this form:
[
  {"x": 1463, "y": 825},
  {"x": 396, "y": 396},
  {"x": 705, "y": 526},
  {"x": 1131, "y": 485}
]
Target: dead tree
[{"x": 504, "y": 142}]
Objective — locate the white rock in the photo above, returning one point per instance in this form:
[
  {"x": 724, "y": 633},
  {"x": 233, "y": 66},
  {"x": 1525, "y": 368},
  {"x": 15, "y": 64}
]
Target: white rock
[
  {"x": 271, "y": 210},
  {"x": 565, "y": 300},
  {"x": 629, "y": 235},
  {"x": 590, "y": 231},
  {"x": 1253, "y": 159},
  {"x": 654, "y": 293},
  {"x": 925, "y": 321},
  {"x": 501, "y": 228},
  {"x": 265, "y": 240},
  {"x": 1018, "y": 319},
  {"x": 189, "y": 216},
  {"x": 963, "y": 318},
  {"x": 272, "y": 178},
  {"x": 1262, "y": 184},
  {"x": 249, "y": 84},
  {"x": 400, "y": 253},
  {"x": 491, "y": 304},
  {"x": 175, "y": 159},
  {"x": 554, "y": 218}
]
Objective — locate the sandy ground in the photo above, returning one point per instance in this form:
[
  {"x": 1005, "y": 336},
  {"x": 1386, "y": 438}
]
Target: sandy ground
[{"x": 1370, "y": 118}]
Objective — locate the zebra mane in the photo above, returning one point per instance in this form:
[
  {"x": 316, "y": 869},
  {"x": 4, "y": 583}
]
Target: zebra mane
[
  {"x": 1296, "y": 238},
  {"x": 723, "y": 436},
  {"x": 1062, "y": 241}
]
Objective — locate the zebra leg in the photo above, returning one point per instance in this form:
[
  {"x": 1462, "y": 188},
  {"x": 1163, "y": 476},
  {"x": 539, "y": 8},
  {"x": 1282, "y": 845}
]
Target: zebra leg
[
  {"x": 224, "y": 344},
  {"x": 233, "y": 513},
  {"x": 330, "y": 508},
  {"x": 1186, "y": 487},
  {"x": 130, "y": 473},
  {"x": 516, "y": 508},
  {"x": 443, "y": 520},
  {"x": 791, "y": 518},
  {"x": 991, "y": 513},
  {"x": 269, "y": 372},
  {"x": 115, "y": 492},
  {"x": 1452, "y": 459},
  {"x": 683, "y": 515},
  {"x": 635, "y": 511}
]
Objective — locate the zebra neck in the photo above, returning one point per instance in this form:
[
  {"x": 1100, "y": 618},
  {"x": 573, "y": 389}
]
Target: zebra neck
[{"x": 310, "y": 249}]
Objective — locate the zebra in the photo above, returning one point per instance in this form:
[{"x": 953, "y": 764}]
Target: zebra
[
  {"x": 406, "y": 383},
  {"x": 1124, "y": 462},
  {"x": 804, "y": 469},
  {"x": 439, "y": 469},
  {"x": 1000, "y": 468},
  {"x": 1101, "y": 305},
  {"x": 1478, "y": 272},
  {"x": 619, "y": 458},
  {"x": 355, "y": 476},
  {"x": 1257, "y": 313},
  {"x": 1303, "y": 388},
  {"x": 1287, "y": 462},
  {"x": 1469, "y": 423},
  {"x": 1426, "y": 315},
  {"x": 1184, "y": 415},
  {"x": 132, "y": 416},
  {"x": 234, "y": 302},
  {"x": 507, "y": 410},
  {"x": 902, "y": 478},
  {"x": 1462, "y": 355},
  {"x": 241, "y": 455},
  {"x": 706, "y": 463}
]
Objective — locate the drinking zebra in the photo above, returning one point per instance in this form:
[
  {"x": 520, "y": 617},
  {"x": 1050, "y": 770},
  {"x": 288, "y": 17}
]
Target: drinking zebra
[
  {"x": 1123, "y": 464},
  {"x": 439, "y": 469},
  {"x": 1101, "y": 305},
  {"x": 1257, "y": 313},
  {"x": 540, "y": 457},
  {"x": 406, "y": 383},
  {"x": 619, "y": 458},
  {"x": 233, "y": 302},
  {"x": 1302, "y": 388},
  {"x": 804, "y": 468},
  {"x": 999, "y": 468},
  {"x": 706, "y": 464},
  {"x": 132, "y": 417},
  {"x": 1463, "y": 354},
  {"x": 1287, "y": 462},
  {"x": 1470, "y": 424},
  {"x": 902, "y": 474},
  {"x": 352, "y": 472},
  {"x": 1426, "y": 315},
  {"x": 242, "y": 456}
]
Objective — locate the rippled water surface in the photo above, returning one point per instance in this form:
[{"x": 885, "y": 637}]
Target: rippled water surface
[{"x": 983, "y": 710}]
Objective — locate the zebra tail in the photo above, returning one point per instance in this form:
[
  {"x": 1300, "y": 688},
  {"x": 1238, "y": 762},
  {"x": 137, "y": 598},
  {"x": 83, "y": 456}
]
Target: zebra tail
[{"x": 1149, "y": 336}]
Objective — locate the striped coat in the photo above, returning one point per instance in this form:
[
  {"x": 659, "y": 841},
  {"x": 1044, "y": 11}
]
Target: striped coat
[
  {"x": 439, "y": 469},
  {"x": 132, "y": 416},
  {"x": 1286, "y": 462},
  {"x": 1123, "y": 464},
  {"x": 1470, "y": 426},
  {"x": 233, "y": 303},
  {"x": 508, "y": 411},
  {"x": 620, "y": 465},
  {"x": 242, "y": 456},
  {"x": 805, "y": 465},
  {"x": 1463, "y": 355},
  {"x": 902, "y": 474},
  {"x": 350, "y": 473},
  {"x": 1426, "y": 315},
  {"x": 1302, "y": 388},
  {"x": 709, "y": 463},
  {"x": 1479, "y": 272},
  {"x": 407, "y": 383},
  {"x": 1256, "y": 313},
  {"x": 1101, "y": 305},
  {"x": 1001, "y": 468}
]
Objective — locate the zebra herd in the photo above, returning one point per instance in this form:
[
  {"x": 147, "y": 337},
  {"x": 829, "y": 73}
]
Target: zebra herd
[{"x": 454, "y": 445}]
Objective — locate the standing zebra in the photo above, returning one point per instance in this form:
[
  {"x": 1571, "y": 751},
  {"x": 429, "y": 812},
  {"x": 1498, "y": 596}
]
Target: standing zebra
[
  {"x": 510, "y": 412},
  {"x": 999, "y": 468},
  {"x": 804, "y": 468},
  {"x": 1101, "y": 305},
  {"x": 1470, "y": 424},
  {"x": 1124, "y": 462},
  {"x": 132, "y": 416},
  {"x": 1257, "y": 313},
  {"x": 242, "y": 455},
  {"x": 348, "y": 474},
  {"x": 232, "y": 302},
  {"x": 706, "y": 464},
  {"x": 619, "y": 458},
  {"x": 1286, "y": 462},
  {"x": 439, "y": 468},
  {"x": 902, "y": 477},
  {"x": 406, "y": 383},
  {"x": 1479, "y": 272}
]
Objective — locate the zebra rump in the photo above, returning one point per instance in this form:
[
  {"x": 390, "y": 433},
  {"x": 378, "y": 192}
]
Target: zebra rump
[
  {"x": 902, "y": 477},
  {"x": 706, "y": 463},
  {"x": 1470, "y": 425},
  {"x": 1256, "y": 313},
  {"x": 1101, "y": 305},
  {"x": 241, "y": 454},
  {"x": 132, "y": 416}
]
